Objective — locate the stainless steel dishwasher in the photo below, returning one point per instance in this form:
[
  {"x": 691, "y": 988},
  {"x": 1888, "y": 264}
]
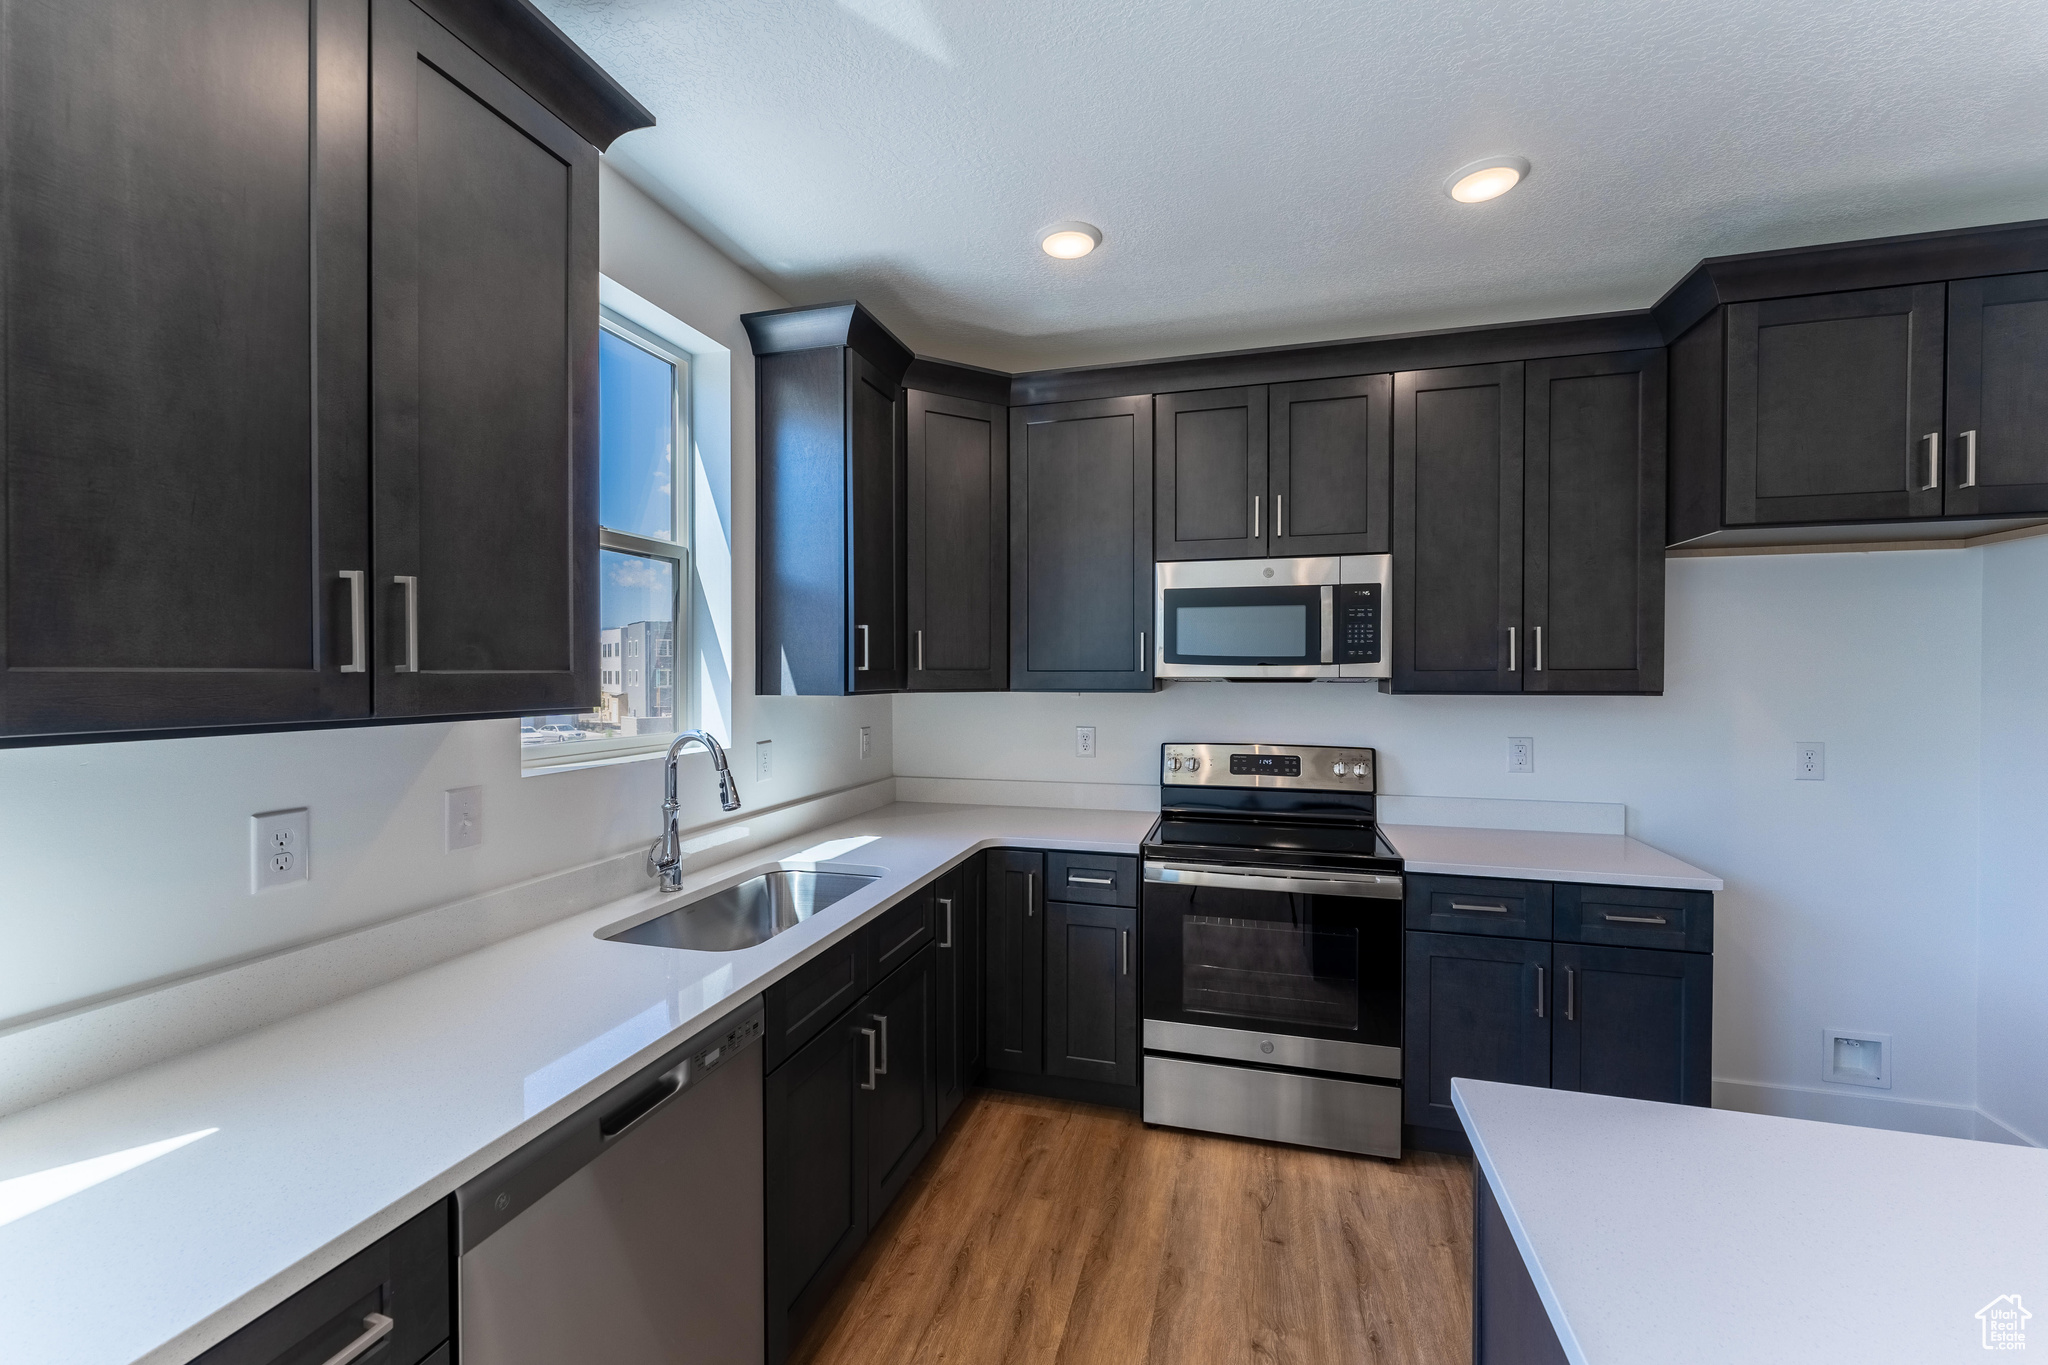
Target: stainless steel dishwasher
[{"x": 630, "y": 1233}]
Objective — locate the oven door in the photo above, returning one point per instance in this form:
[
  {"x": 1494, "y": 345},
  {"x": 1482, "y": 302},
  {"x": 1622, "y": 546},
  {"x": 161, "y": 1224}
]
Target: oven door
[
  {"x": 1252, "y": 618},
  {"x": 1277, "y": 968}
]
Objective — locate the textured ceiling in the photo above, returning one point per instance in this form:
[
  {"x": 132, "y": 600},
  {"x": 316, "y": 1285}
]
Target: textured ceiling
[{"x": 1270, "y": 172}]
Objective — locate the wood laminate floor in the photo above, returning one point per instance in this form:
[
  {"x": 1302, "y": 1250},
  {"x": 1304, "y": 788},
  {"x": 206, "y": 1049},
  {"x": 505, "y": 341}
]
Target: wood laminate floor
[{"x": 1042, "y": 1231}]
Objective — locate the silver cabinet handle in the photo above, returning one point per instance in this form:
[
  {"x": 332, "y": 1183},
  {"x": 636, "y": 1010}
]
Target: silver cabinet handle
[
  {"x": 410, "y": 586},
  {"x": 1279, "y": 513},
  {"x": 1255, "y": 516},
  {"x": 869, "y": 1083},
  {"x": 1030, "y": 892},
  {"x": 920, "y": 651},
  {"x": 1969, "y": 440},
  {"x": 1489, "y": 909},
  {"x": 1076, "y": 879},
  {"x": 862, "y": 666},
  {"x": 1123, "y": 952},
  {"x": 1512, "y": 633},
  {"x": 1571, "y": 994},
  {"x": 376, "y": 1327},
  {"x": 1141, "y": 651},
  {"x": 1536, "y": 655},
  {"x": 356, "y": 663},
  {"x": 883, "y": 1020},
  {"x": 947, "y": 941},
  {"x": 1634, "y": 919},
  {"x": 1540, "y": 992},
  {"x": 1932, "y": 440}
]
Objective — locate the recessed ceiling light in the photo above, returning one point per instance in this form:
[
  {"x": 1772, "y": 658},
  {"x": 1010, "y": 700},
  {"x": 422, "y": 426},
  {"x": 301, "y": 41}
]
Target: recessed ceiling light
[
  {"x": 1488, "y": 178},
  {"x": 1070, "y": 241}
]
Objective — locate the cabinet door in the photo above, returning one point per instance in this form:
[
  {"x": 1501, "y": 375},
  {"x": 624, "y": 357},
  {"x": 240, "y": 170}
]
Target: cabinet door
[
  {"x": 1015, "y": 980},
  {"x": 902, "y": 1115},
  {"x": 1091, "y": 992},
  {"x": 1593, "y": 517},
  {"x": 957, "y": 914},
  {"x": 1997, "y": 395},
  {"x": 959, "y": 544},
  {"x": 1635, "y": 1022},
  {"x": 484, "y": 292},
  {"x": 1210, "y": 469},
  {"x": 185, "y": 456},
  {"x": 1478, "y": 1008},
  {"x": 1834, "y": 406},
  {"x": 1458, "y": 529},
  {"x": 1081, "y": 546},
  {"x": 817, "y": 1176},
  {"x": 874, "y": 502},
  {"x": 1332, "y": 454}
]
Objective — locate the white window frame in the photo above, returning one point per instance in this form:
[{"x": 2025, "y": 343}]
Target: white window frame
[{"x": 682, "y": 479}]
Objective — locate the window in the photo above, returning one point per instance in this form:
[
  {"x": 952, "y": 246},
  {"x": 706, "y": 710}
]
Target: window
[{"x": 644, "y": 480}]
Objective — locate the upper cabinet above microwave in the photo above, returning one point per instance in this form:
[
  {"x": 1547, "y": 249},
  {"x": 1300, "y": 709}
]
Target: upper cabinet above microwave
[
  {"x": 224, "y": 351},
  {"x": 1271, "y": 472}
]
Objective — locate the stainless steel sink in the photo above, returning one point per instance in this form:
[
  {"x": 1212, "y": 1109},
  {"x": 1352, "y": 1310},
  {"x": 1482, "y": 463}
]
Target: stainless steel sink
[{"x": 751, "y": 912}]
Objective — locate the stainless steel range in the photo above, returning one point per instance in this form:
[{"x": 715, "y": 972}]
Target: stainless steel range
[{"x": 1272, "y": 949}]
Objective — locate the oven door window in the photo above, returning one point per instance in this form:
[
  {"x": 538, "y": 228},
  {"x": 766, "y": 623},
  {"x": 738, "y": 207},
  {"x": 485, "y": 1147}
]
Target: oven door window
[
  {"x": 1276, "y": 973},
  {"x": 1273, "y": 626}
]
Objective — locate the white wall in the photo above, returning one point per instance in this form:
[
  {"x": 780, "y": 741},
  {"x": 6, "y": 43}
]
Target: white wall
[
  {"x": 126, "y": 863},
  {"x": 2012, "y": 1006},
  {"x": 1850, "y": 903}
]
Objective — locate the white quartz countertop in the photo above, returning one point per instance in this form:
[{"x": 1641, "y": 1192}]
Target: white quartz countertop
[
  {"x": 1659, "y": 1234},
  {"x": 1540, "y": 856},
  {"x": 306, "y": 1141}
]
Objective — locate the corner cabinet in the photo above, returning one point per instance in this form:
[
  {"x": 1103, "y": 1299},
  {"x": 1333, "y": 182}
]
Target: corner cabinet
[
  {"x": 1528, "y": 526},
  {"x": 830, "y": 493},
  {"x": 959, "y": 544},
  {"x": 1081, "y": 546},
  {"x": 300, "y": 364}
]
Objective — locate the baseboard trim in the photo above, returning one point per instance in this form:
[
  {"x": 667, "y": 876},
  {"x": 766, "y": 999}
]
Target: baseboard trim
[{"x": 1867, "y": 1110}]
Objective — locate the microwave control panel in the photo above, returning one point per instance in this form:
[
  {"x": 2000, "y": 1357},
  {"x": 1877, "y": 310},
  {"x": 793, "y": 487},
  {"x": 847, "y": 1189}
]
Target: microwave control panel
[{"x": 1361, "y": 616}]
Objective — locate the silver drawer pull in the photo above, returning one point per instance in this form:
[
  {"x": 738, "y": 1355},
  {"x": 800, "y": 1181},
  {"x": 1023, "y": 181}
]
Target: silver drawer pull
[
  {"x": 1969, "y": 440},
  {"x": 869, "y": 1083},
  {"x": 376, "y": 1327},
  {"x": 356, "y": 663},
  {"x": 410, "y": 586},
  {"x": 1076, "y": 879},
  {"x": 947, "y": 941},
  {"x": 1634, "y": 919},
  {"x": 883, "y": 1068},
  {"x": 1489, "y": 909}
]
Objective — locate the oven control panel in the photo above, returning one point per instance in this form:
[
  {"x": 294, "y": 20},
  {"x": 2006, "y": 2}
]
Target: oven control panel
[{"x": 1302, "y": 767}]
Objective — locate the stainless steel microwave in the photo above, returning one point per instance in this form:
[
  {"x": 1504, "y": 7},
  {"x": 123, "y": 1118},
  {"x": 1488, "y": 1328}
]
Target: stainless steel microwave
[{"x": 1274, "y": 618}]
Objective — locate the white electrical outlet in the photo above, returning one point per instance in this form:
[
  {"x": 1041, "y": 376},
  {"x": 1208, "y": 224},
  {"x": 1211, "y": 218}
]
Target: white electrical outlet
[
  {"x": 764, "y": 759},
  {"x": 1521, "y": 754},
  {"x": 1853, "y": 1057},
  {"x": 280, "y": 848},
  {"x": 1809, "y": 761},
  {"x": 463, "y": 808},
  {"x": 1084, "y": 741},
  {"x": 867, "y": 740}
]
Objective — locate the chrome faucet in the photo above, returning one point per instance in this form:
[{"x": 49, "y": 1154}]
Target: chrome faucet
[{"x": 665, "y": 859}]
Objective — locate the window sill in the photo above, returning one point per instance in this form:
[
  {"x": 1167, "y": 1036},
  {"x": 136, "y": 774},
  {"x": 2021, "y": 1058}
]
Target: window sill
[{"x": 594, "y": 761}]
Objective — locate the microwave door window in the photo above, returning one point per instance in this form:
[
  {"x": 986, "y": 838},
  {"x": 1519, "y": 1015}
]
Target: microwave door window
[{"x": 1244, "y": 625}]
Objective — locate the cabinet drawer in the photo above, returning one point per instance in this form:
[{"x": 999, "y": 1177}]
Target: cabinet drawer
[
  {"x": 894, "y": 938},
  {"x": 404, "y": 1277},
  {"x": 1092, "y": 878},
  {"x": 1635, "y": 917},
  {"x": 1478, "y": 905},
  {"x": 798, "y": 1008}
]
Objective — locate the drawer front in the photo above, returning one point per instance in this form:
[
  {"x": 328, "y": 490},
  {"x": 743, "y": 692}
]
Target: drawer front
[
  {"x": 1478, "y": 905},
  {"x": 800, "y": 1007},
  {"x": 1635, "y": 917},
  {"x": 403, "y": 1277},
  {"x": 899, "y": 932},
  {"x": 1092, "y": 878}
]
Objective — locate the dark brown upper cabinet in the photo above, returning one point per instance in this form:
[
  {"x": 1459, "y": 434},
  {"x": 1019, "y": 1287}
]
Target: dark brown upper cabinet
[
  {"x": 1330, "y": 457},
  {"x": 1457, "y": 529},
  {"x": 1209, "y": 472},
  {"x": 831, "y": 502},
  {"x": 959, "y": 544},
  {"x": 1997, "y": 447},
  {"x": 1593, "y": 524},
  {"x": 1280, "y": 470},
  {"x": 200, "y": 360},
  {"x": 1834, "y": 407},
  {"x": 1081, "y": 546}
]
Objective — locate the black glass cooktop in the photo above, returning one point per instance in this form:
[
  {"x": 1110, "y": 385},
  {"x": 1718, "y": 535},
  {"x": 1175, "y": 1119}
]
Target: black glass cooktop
[{"x": 1322, "y": 843}]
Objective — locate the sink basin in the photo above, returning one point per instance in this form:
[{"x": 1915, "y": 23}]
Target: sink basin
[{"x": 751, "y": 912}]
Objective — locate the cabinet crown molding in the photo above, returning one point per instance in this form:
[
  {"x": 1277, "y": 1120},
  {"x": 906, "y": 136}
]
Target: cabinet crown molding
[{"x": 845, "y": 323}]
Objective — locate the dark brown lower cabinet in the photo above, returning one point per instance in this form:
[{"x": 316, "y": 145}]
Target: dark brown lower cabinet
[
  {"x": 1478, "y": 1008},
  {"x": 816, "y": 1174},
  {"x": 1091, "y": 992},
  {"x": 1510, "y": 1325},
  {"x": 1635, "y": 1022},
  {"x": 405, "y": 1276},
  {"x": 902, "y": 1116},
  {"x": 1015, "y": 989},
  {"x": 957, "y": 917}
]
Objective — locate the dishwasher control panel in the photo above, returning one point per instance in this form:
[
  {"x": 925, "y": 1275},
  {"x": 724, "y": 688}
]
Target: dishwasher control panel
[{"x": 734, "y": 1039}]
